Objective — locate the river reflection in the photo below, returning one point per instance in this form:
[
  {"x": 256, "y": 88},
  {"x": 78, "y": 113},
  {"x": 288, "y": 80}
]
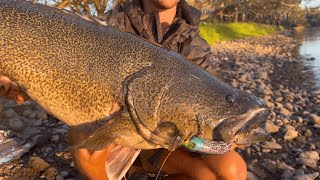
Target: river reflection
[{"x": 310, "y": 49}]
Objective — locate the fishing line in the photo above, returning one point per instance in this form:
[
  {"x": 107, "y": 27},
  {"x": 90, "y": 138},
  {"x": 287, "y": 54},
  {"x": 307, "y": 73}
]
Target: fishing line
[
  {"x": 163, "y": 164},
  {"x": 174, "y": 148}
]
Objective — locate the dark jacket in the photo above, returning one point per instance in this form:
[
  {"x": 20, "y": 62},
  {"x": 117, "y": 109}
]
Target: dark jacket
[{"x": 181, "y": 37}]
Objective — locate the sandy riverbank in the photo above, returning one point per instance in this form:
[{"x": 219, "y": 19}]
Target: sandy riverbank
[{"x": 262, "y": 66}]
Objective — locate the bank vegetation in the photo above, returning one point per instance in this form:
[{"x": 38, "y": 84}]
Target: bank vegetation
[
  {"x": 223, "y": 19},
  {"x": 286, "y": 13}
]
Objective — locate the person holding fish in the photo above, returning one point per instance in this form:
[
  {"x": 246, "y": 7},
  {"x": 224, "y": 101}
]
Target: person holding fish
[{"x": 171, "y": 24}]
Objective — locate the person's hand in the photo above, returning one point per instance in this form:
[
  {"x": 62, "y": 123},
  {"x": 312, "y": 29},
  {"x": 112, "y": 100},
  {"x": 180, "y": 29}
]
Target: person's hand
[{"x": 11, "y": 90}]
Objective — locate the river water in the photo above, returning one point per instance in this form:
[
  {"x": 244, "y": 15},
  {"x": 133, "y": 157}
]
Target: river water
[{"x": 310, "y": 50}]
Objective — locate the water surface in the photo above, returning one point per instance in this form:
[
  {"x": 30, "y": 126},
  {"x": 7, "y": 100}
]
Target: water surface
[{"x": 310, "y": 50}]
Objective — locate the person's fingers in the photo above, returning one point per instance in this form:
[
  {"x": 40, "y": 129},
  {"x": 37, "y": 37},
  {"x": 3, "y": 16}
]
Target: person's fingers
[
  {"x": 14, "y": 92},
  {"x": 11, "y": 90},
  {"x": 4, "y": 85},
  {"x": 14, "y": 88},
  {"x": 3, "y": 90},
  {"x": 4, "y": 79},
  {"x": 21, "y": 99}
]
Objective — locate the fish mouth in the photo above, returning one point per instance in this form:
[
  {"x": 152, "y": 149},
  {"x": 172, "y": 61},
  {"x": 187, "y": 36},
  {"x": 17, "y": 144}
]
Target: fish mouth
[{"x": 245, "y": 129}]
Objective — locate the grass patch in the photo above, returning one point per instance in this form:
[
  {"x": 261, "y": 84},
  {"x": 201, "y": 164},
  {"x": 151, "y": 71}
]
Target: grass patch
[{"x": 213, "y": 33}]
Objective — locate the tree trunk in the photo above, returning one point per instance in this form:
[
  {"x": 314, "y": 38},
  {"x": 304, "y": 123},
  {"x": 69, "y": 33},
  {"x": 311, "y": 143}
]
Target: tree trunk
[
  {"x": 236, "y": 17},
  {"x": 243, "y": 17}
]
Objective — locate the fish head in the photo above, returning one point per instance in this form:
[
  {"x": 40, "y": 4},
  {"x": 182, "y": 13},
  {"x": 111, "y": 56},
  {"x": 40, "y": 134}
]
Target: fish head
[
  {"x": 216, "y": 111},
  {"x": 173, "y": 98},
  {"x": 241, "y": 120},
  {"x": 206, "y": 107}
]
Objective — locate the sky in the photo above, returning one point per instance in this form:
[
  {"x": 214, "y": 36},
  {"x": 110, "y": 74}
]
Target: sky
[{"x": 312, "y": 3}]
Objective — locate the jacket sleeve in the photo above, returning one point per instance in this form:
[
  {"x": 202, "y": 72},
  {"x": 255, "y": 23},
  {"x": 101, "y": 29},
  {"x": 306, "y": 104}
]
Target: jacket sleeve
[{"x": 198, "y": 51}]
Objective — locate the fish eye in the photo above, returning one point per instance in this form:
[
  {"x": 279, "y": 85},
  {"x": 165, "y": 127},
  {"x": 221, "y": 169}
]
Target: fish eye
[{"x": 231, "y": 98}]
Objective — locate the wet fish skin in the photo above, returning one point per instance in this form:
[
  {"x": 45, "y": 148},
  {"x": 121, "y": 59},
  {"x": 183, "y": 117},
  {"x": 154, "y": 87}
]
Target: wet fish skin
[{"x": 85, "y": 73}]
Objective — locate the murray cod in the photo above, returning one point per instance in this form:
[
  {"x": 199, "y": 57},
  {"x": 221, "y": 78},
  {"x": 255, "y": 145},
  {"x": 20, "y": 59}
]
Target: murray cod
[{"x": 117, "y": 86}]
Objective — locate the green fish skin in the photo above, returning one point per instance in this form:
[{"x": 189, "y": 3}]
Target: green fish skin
[{"x": 116, "y": 85}]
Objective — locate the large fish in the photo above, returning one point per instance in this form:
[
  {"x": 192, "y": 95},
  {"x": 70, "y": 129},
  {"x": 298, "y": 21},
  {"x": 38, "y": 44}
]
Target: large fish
[{"x": 139, "y": 95}]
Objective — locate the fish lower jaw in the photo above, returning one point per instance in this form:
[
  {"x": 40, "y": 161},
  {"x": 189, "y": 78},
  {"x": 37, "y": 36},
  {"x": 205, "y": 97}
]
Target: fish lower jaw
[
  {"x": 255, "y": 136},
  {"x": 250, "y": 124}
]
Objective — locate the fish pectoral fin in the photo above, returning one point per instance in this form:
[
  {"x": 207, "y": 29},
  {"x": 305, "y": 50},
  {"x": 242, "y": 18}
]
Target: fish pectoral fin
[
  {"x": 119, "y": 130},
  {"x": 119, "y": 161},
  {"x": 98, "y": 140}
]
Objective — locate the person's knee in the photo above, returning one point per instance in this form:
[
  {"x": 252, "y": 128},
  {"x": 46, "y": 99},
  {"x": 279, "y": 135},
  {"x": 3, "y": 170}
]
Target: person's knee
[
  {"x": 89, "y": 163},
  {"x": 237, "y": 168},
  {"x": 194, "y": 173},
  {"x": 203, "y": 173},
  {"x": 228, "y": 166},
  {"x": 200, "y": 175},
  {"x": 198, "y": 170},
  {"x": 181, "y": 164}
]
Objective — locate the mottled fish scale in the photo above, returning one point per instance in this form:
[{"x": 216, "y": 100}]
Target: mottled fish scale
[
  {"x": 65, "y": 66},
  {"x": 82, "y": 72}
]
